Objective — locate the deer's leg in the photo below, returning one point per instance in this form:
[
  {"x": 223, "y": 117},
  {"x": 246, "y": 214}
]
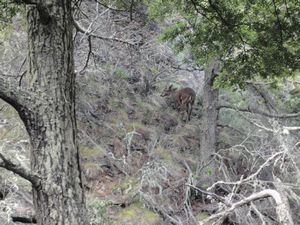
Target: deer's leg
[
  {"x": 181, "y": 110},
  {"x": 190, "y": 108}
]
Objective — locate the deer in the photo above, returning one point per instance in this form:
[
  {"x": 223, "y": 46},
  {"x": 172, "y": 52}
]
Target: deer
[{"x": 183, "y": 99}]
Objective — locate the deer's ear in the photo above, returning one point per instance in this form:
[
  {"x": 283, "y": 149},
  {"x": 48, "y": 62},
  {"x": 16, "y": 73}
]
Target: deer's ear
[{"x": 170, "y": 87}]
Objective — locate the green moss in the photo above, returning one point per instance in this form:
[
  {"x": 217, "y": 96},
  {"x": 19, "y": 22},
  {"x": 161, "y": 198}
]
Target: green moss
[
  {"x": 91, "y": 152},
  {"x": 202, "y": 216},
  {"x": 136, "y": 213}
]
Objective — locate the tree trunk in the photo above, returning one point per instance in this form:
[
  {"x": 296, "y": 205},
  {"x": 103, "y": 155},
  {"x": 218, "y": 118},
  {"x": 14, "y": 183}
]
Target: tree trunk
[
  {"x": 208, "y": 137},
  {"x": 50, "y": 116}
]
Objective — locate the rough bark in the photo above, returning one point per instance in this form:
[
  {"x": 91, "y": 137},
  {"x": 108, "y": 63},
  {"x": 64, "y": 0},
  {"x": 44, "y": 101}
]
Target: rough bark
[
  {"x": 47, "y": 109},
  {"x": 208, "y": 137},
  {"x": 55, "y": 156}
]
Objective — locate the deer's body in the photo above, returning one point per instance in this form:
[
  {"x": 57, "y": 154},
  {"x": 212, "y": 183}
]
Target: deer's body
[{"x": 184, "y": 99}]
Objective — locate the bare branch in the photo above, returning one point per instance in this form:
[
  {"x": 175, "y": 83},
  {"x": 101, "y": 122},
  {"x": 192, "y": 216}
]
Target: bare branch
[
  {"x": 23, "y": 172},
  {"x": 88, "y": 56},
  {"x": 252, "y": 176},
  {"x": 282, "y": 210},
  {"x": 86, "y": 32},
  {"x": 260, "y": 112},
  {"x": 215, "y": 196}
]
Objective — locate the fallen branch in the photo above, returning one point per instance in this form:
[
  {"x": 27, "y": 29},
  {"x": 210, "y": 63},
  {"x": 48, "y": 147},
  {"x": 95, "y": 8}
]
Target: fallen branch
[{"x": 281, "y": 209}]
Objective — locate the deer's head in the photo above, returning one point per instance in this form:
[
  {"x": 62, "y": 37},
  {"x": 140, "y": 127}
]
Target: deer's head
[{"x": 168, "y": 91}]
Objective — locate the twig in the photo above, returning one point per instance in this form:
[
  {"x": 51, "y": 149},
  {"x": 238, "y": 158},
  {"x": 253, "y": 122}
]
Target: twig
[
  {"x": 266, "y": 163},
  {"x": 89, "y": 54},
  {"x": 109, "y": 7},
  {"x": 86, "y": 32}
]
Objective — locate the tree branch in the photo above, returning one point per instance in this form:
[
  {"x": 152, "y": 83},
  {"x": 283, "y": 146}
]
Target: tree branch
[
  {"x": 10, "y": 93},
  {"x": 215, "y": 196},
  {"x": 281, "y": 209},
  {"x": 18, "y": 169},
  {"x": 88, "y": 56},
  {"x": 262, "y": 91},
  {"x": 28, "y": 2},
  {"x": 15, "y": 96},
  {"x": 24, "y": 219},
  {"x": 260, "y": 112},
  {"x": 80, "y": 29}
]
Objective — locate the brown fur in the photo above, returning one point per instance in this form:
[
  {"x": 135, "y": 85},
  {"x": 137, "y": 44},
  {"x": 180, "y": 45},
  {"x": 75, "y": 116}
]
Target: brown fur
[{"x": 184, "y": 99}]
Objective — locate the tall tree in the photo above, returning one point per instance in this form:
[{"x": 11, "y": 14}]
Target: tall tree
[
  {"x": 248, "y": 38},
  {"x": 47, "y": 108}
]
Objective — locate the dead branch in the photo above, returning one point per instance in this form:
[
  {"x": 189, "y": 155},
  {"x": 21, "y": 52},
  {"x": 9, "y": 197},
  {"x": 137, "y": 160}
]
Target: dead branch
[
  {"x": 252, "y": 176},
  {"x": 215, "y": 196},
  {"x": 282, "y": 209}
]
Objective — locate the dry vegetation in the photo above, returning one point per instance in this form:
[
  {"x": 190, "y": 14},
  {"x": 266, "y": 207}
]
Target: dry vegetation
[{"x": 140, "y": 160}]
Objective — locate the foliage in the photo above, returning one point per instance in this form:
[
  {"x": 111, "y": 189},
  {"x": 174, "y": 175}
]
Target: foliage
[
  {"x": 251, "y": 38},
  {"x": 7, "y": 11}
]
